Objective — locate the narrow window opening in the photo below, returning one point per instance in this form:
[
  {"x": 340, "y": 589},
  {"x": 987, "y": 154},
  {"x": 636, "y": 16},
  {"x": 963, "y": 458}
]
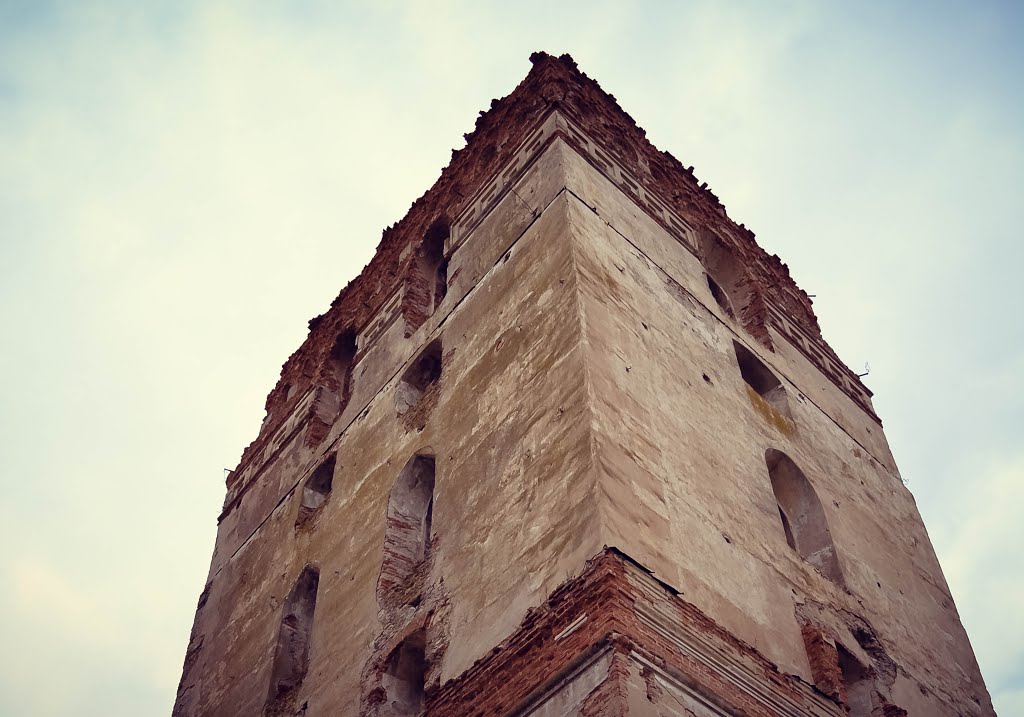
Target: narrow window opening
[
  {"x": 726, "y": 277},
  {"x": 435, "y": 266},
  {"x": 762, "y": 381},
  {"x": 803, "y": 518},
  {"x": 407, "y": 531},
  {"x": 316, "y": 490},
  {"x": 419, "y": 378},
  {"x": 404, "y": 677},
  {"x": 291, "y": 654},
  {"x": 857, "y": 683},
  {"x": 426, "y": 283},
  {"x": 721, "y": 298},
  {"x": 341, "y": 362}
]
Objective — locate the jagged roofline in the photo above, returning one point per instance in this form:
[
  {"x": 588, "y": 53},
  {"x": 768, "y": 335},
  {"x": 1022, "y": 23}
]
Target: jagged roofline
[{"x": 552, "y": 82}]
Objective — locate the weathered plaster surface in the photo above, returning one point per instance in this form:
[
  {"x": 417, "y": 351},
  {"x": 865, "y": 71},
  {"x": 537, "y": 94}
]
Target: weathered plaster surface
[
  {"x": 514, "y": 512},
  {"x": 684, "y": 487}
]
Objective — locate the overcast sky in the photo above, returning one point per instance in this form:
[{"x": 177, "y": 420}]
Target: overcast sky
[{"x": 184, "y": 184}]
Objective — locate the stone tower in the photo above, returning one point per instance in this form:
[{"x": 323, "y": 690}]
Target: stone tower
[{"x": 572, "y": 444}]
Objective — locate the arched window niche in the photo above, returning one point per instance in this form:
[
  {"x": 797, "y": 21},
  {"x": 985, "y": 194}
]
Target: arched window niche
[
  {"x": 426, "y": 283},
  {"x": 857, "y": 683},
  {"x": 291, "y": 653},
  {"x": 803, "y": 518},
  {"x": 423, "y": 374},
  {"x": 768, "y": 393},
  {"x": 316, "y": 490},
  {"x": 434, "y": 265},
  {"x": 405, "y": 676},
  {"x": 725, "y": 275},
  {"x": 341, "y": 362},
  {"x": 407, "y": 530},
  {"x": 720, "y": 297}
]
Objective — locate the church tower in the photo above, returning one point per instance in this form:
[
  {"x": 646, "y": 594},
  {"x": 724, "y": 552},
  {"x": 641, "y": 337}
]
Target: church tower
[{"x": 572, "y": 444}]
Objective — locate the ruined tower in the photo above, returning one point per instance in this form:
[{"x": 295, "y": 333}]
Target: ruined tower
[{"x": 572, "y": 444}]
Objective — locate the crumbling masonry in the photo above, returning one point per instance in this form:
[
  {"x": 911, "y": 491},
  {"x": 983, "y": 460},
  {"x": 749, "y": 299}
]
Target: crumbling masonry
[{"x": 572, "y": 444}]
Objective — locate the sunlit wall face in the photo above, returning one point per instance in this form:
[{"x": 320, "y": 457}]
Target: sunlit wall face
[{"x": 183, "y": 185}]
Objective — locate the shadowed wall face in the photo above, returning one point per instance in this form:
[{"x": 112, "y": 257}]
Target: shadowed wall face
[
  {"x": 407, "y": 535},
  {"x": 403, "y": 680},
  {"x": 316, "y": 490},
  {"x": 291, "y": 655},
  {"x": 803, "y": 518}
]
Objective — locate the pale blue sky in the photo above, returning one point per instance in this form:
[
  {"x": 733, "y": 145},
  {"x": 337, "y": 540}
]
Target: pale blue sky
[{"x": 184, "y": 184}]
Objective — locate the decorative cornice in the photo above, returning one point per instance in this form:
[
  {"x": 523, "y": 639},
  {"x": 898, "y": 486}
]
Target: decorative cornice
[{"x": 821, "y": 355}]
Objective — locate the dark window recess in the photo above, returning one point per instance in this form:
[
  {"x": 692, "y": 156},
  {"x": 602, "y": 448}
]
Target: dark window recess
[
  {"x": 418, "y": 379},
  {"x": 316, "y": 490},
  {"x": 721, "y": 298},
  {"x": 435, "y": 266},
  {"x": 404, "y": 677},
  {"x": 291, "y": 654},
  {"x": 341, "y": 362},
  {"x": 857, "y": 683},
  {"x": 407, "y": 531},
  {"x": 726, "y": 278},
  {"x": 426, "y": 283},
  {"x": 762, "y": 381},
  {"x": 803, "y": 518}
]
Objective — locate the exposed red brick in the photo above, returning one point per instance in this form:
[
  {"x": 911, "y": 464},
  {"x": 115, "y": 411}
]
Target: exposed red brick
[
  {"x": 654, "y": 690},
  {"x": 824, "y": 659},
  {"x": 417, "y": 298},
  {"x": 610, "y": 698}
]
